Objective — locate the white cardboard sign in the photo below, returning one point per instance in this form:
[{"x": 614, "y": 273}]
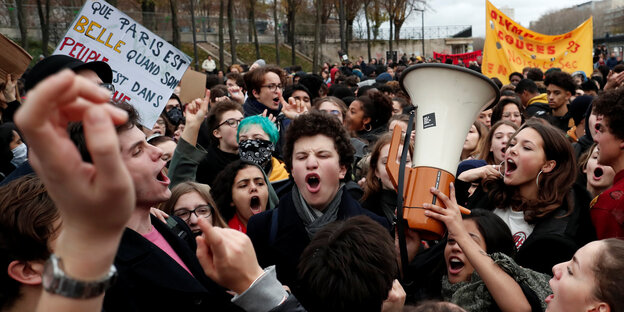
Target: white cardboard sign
[{"x": 146, "y": 68}]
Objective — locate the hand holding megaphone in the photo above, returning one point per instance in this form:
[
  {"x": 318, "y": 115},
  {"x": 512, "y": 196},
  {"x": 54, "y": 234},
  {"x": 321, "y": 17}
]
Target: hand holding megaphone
[{"x": 451, "y": 215}]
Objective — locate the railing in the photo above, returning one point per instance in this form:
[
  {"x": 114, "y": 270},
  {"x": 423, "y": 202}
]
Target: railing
[{"x": 160, "y": 23}]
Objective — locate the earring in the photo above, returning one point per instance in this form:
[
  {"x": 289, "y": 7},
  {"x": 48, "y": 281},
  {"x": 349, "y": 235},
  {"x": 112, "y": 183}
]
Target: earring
[
  {"x": 368, "y": 127},
  {"x": 537, "y": 179}
]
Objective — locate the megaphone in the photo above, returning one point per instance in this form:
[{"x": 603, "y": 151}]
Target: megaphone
[{"x": 449, "y": 99}]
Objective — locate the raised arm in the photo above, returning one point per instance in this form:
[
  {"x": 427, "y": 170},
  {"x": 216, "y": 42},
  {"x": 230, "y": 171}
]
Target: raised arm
[
  {"x": 95, "y": 199},
  {"x": 504, "y": 289}
]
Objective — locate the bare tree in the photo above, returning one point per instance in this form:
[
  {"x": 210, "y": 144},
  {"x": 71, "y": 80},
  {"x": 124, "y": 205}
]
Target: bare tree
[
  {"x": 221, "y": 37},
  {"x": 253, "y": 30},
  {"x": 275, "y": 21},
  {"x": 352, "y": 8},
  {"x": 292, "y": 10},
  {"x": 175, "y": 30},
  {"x": 148, "y": 8},
  {"x": 378, "y": 16},
  {"x": 341, "y": 20},
  {"x": 327, "y": 7},
  {"x": 231, "y": 30},
  {"x": 21, "y": 22},
  {"x": 317, "y": 36},
  {"x": 44, "y": 19},
  {"x": 368, "y": 31}
]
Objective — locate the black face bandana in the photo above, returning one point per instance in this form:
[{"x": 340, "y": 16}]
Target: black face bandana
[
  {"x": 175, "y": 115},
  {"x": 256, "y": 151}
]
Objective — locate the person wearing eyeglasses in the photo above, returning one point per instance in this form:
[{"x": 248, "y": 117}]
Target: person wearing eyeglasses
[
  {"x": 191, "y": 201},
  {"x": 221, "y": 125},
  {"x": 264, "y": 97}
]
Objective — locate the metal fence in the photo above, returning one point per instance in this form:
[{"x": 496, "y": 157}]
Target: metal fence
[{"x": 160, "y": 23}]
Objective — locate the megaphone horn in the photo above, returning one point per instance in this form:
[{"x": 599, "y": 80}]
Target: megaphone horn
[{"x": 449, "y": 99}]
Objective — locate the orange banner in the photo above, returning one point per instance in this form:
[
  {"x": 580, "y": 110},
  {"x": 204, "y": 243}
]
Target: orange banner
[{"x": 509, "y": 47}]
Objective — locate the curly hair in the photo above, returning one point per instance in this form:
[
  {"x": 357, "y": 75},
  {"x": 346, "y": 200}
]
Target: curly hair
[
  {"x": 315, "y": 123},
  {"x": 610, "y": 104},
  {"x": 376, "y": 106},
  {"x": 562, "y": 80},
  {"x": 222, "y": 191},
  {"x": 554, "y": 187}
]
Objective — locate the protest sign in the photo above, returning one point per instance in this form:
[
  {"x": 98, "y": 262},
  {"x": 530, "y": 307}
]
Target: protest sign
[
  {"x": 509, "y": 47},
  {"x": 193, "y": 86},
  {"x": 146, "y": 69},
  {"x": 465, "y": 57},
  {"x": 13, "y": 60}
]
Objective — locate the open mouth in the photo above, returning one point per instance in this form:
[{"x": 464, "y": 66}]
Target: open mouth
[
  {"x": 313, "y": 182},
  {"x": 276, "y": 100},
  {"x": 255, "y": 205},
  {"x": 511, "y": 166},
  {"x": 598, "y": 172},
  {"x": 162, "y": 177},
  {"x": 455, "y": 265}
]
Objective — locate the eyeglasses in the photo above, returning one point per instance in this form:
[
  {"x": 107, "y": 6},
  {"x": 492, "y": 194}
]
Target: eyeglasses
[
  {"x": 108, "y": 86},
  {"x": 272, "y": 87},
  {"x": 201, "y": 211},
  {"x": 232, "y": 122},
  {"x": 160, "y": 122}
]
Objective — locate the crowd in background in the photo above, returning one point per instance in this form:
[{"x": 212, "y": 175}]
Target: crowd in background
[{"x": 278, "y": 178}]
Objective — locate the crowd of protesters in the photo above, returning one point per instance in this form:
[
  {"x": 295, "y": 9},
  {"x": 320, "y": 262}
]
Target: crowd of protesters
[{"x": 271, "y": 194}]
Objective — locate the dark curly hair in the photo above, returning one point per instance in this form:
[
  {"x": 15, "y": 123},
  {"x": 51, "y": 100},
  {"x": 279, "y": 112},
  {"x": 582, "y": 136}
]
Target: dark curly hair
[
  {"x": 562, "y": 80},
  {"x": 314, "y": 123},
  {"x": 610, "y": 104},
  {"x": 378, "y": 107},
  {"x": 222, "y": 192},
  {"x": 554, "y": 187}
]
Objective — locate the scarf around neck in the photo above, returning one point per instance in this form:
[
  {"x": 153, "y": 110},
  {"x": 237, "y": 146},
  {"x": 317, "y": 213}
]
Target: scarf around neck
[{"x": 313, "y": 219}]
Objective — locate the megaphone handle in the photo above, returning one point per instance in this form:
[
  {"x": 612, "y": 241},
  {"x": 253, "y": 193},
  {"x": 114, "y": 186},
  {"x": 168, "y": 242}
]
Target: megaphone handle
[{"x": 400, "y": 222}]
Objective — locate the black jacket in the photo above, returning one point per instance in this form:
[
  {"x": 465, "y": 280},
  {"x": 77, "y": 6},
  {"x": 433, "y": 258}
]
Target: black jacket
[
  {"x": 291, "y": 237},
  {"x": 556, "y": 237},
  {"x": 150, "y": 280},
  {"x": 213, "y": 163}
]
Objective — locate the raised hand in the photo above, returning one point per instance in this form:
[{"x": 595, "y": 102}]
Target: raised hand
[
  {"x": 293, "y": 108},
  {"x": 227, "y": 257}
]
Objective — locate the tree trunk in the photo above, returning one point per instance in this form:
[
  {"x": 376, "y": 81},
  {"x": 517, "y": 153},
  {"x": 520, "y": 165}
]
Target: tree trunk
[
  {"x": 390, "y": 35},
  {"x": 221, "y": 37},
  {"x": 397, "y": 30},
  {"x": 291, "y": 30},
  {"x": 21, "y": 21},
  {"x": 368, "y": 33},
  {"x": 252, "y": 15},
  {"x": 175, "y": 31},
  {"x": 341, "y": 21},
  {"x": 317, "y": 38},
  {"x": 147, "y": 11},
  {"x": 277, "y": 54},
  {"x": 232, "y": 30},
  {"x": 44, "y": 18},
  {"x": 250, "y": 18}
]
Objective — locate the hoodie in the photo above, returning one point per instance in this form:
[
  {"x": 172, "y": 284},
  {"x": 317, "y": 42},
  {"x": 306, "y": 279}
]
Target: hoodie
[{"x": 538, "y": 106}]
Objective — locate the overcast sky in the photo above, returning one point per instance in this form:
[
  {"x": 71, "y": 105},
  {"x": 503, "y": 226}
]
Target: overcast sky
[{"x": 472, "y": 12}]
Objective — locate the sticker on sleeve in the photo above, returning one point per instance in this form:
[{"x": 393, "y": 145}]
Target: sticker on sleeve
[{"x": 429, "y": 121}]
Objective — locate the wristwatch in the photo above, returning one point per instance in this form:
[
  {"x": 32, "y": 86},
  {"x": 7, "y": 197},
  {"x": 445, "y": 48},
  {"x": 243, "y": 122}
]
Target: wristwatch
[{"x": 56, "y": 281}]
